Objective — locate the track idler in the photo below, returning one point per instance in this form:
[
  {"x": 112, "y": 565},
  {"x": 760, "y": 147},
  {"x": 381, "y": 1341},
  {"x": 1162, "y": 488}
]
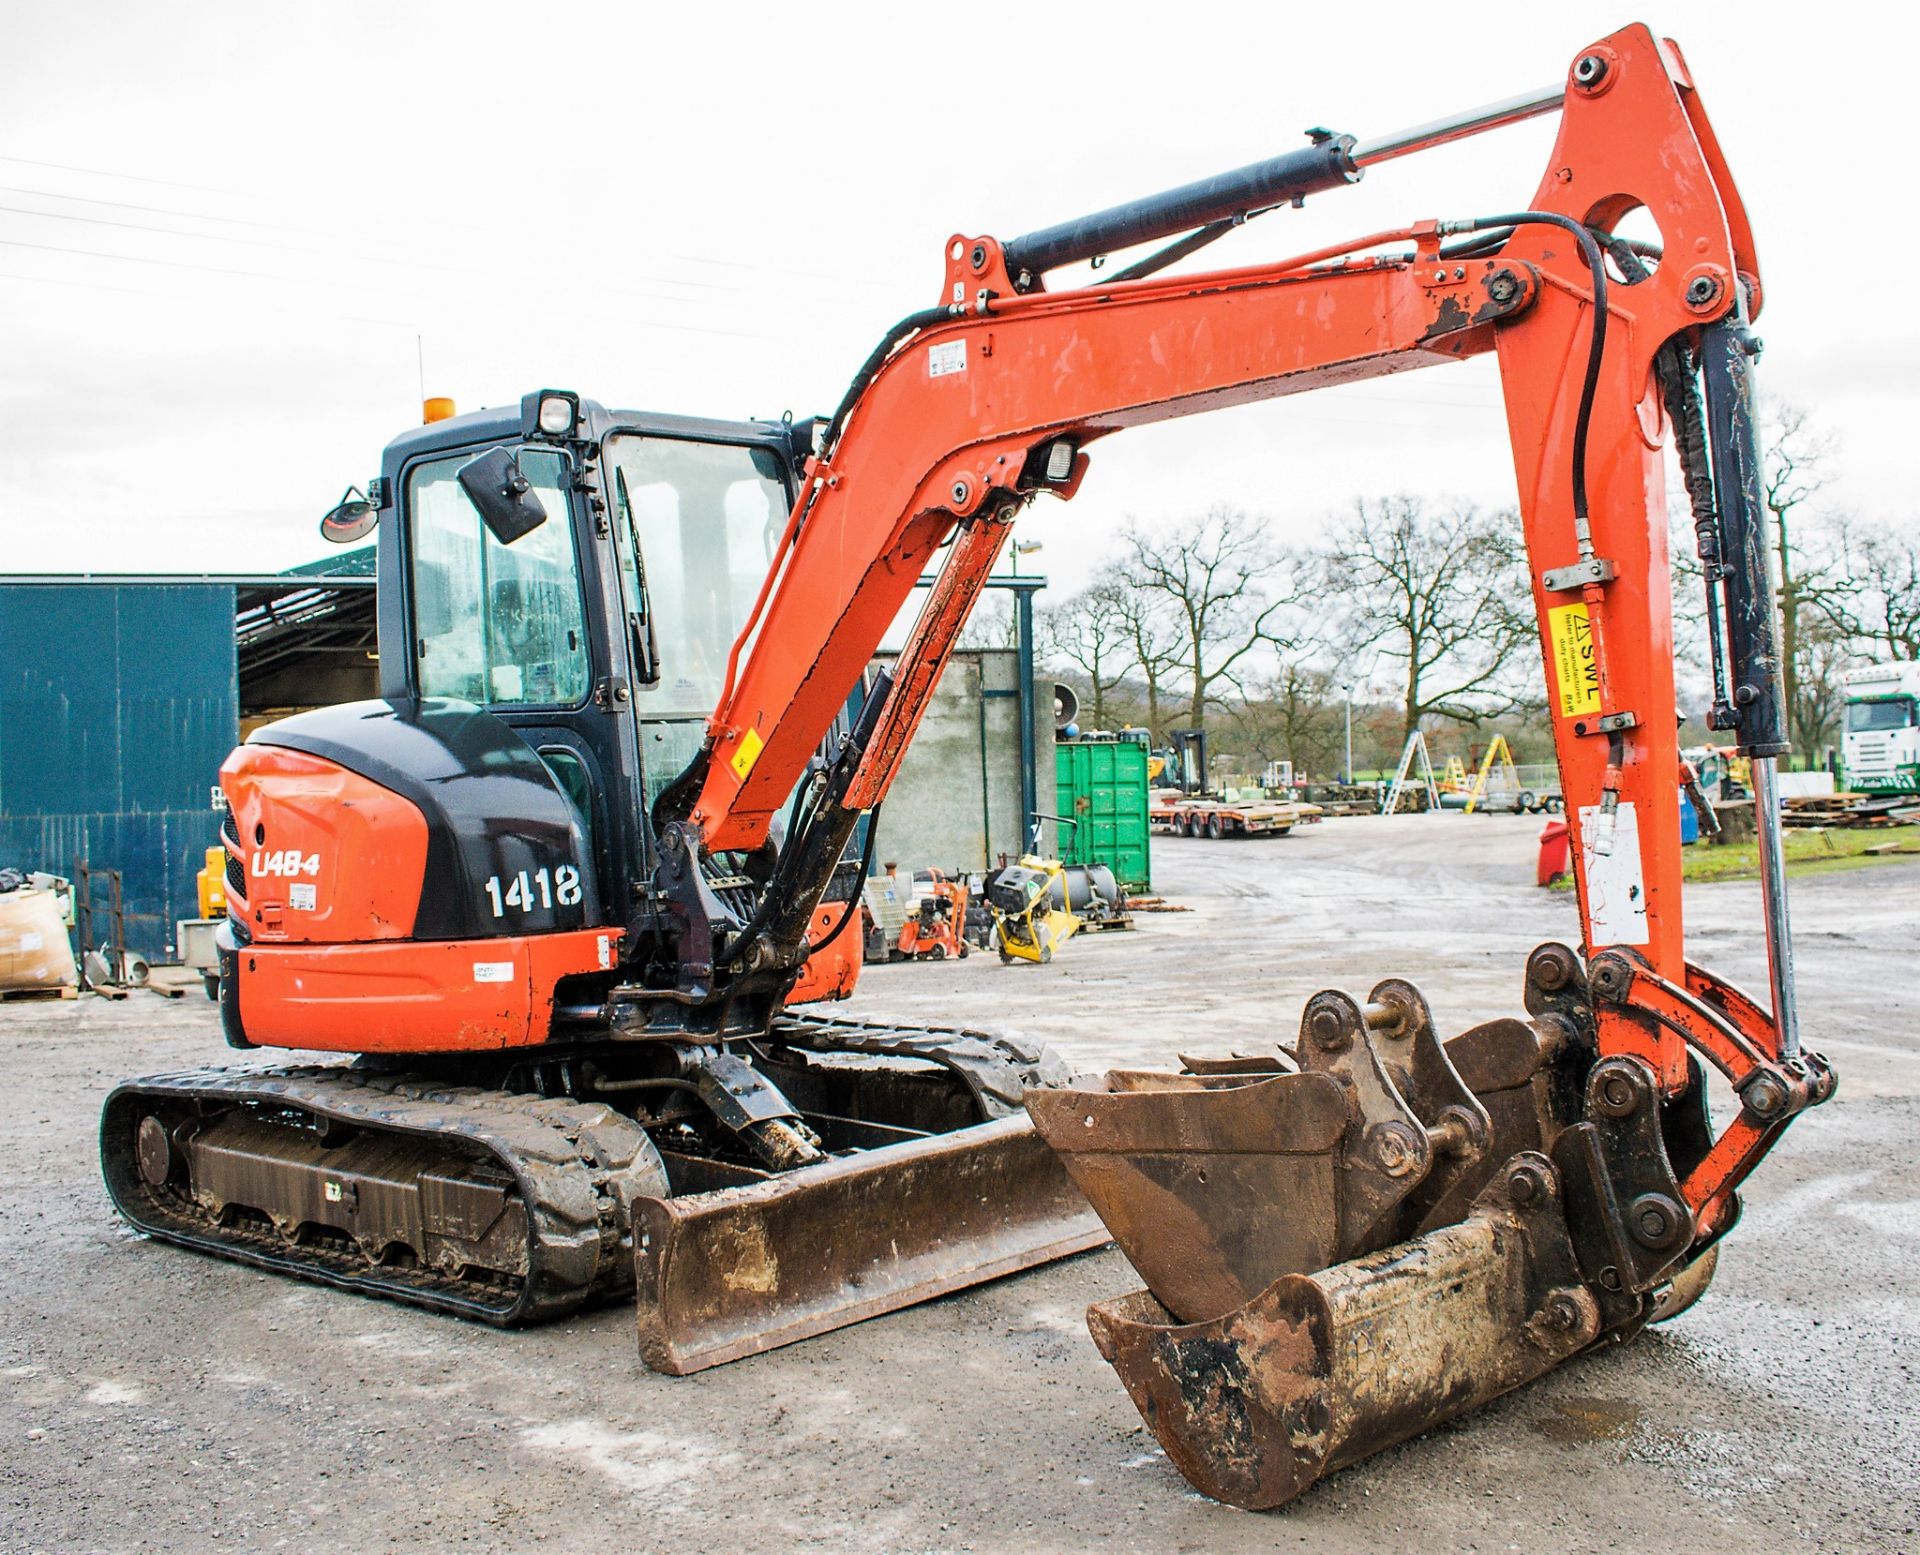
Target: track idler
[{"x": 1350, "y": 1242}]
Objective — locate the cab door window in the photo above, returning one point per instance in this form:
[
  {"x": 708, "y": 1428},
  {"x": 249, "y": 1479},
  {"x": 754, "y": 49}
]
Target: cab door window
[
  {"x": 707, "y": 519},
  {"x": 500, "y": 625}
]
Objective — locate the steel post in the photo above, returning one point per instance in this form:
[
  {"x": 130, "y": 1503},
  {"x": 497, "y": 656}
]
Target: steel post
[
  {"x": 1773, "y": 892},
  {"x": 1029, "y": 781}
]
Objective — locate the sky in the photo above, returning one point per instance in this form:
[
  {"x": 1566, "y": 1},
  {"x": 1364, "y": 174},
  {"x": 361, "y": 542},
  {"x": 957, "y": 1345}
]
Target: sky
[{"x": 238, "y": 241}]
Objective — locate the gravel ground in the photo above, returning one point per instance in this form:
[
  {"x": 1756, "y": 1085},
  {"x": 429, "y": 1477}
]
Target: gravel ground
[{"x": 156, "y": 1400}]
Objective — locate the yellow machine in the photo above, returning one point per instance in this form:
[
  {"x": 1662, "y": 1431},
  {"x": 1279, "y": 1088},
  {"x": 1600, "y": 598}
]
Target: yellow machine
[
  {"x": 212, "y": 883},
  {"x": 1031, "y": 915},
  {"x": 1499, "y": 751}
]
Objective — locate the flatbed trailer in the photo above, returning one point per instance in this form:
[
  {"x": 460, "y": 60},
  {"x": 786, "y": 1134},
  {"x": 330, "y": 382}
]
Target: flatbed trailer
[{"x": 1188, "y": 815}]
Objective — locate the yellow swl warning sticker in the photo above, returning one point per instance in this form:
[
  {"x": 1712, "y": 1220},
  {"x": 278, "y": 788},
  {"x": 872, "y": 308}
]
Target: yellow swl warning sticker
[
  {"x": 1575, "y": 672},
  {"x": 746, "y": 753}
]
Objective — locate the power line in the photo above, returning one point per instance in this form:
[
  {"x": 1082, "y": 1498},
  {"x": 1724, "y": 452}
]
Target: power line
[
  {"x": 172, "y": 264},
  {"x": 95, "y": 172},
  {"x": 216, "y": 237},
  {"x": 154, "y": 210}
]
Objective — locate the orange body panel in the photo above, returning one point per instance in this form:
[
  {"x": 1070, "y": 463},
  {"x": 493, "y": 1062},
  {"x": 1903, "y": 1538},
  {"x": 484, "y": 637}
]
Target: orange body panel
[
  {"x": 443, "y": 996},
  {"x": 834, "y": 972},
  {"x": 329, "y": 857}
]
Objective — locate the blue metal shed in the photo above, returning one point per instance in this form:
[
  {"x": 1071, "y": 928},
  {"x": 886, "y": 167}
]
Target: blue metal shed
[
  {"x": 121, "y": 696},
  {"x": 117, "y": 705}
]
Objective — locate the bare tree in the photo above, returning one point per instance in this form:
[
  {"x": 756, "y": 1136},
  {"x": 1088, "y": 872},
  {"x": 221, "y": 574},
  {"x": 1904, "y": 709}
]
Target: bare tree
[
  {"x": 1443, "y": 594},
  {"x": 1152, "y": 642},
  {"x": 1797, "y": 463},
  {"x": 1089, "y": 631},
  {"x": 1819, "y": 690},
  {"x": 1879, "y": 609},
  {"x": 992, "y": 623},
  {"x": 1218, "y": 581},
  {"x": 1293, "y": 715}
]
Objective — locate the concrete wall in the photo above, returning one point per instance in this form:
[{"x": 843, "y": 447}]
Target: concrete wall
[{"x": 950, "y": 808}]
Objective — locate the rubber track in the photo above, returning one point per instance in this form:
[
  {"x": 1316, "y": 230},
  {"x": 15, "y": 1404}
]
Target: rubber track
[
  {"x": 574, "y": 1163},
  {"x": 997, "y": 1069}
]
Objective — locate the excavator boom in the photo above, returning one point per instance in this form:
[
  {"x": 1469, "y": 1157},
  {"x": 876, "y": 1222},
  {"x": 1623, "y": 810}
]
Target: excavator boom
[{"x": 1567, "y": 1162}]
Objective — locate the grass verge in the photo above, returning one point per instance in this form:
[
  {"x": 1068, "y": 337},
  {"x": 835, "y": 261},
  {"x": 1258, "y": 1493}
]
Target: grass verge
[{"x": 1810, "y": 851}]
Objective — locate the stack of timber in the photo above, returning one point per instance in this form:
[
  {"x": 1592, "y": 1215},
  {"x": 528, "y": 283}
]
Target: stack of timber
[{"x": 1846, "y": 809}]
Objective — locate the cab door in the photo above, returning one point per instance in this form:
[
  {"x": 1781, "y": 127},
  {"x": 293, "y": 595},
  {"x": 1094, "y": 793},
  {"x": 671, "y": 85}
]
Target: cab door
[{"x": 520, "y": 630}]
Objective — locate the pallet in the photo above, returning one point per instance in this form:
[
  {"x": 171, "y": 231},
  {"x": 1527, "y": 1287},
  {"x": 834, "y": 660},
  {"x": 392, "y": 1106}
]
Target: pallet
[
  {"x": 26, "y": 994},
  {"x": 1851, "y": 810},
  {"x": 175, "y": 982}
]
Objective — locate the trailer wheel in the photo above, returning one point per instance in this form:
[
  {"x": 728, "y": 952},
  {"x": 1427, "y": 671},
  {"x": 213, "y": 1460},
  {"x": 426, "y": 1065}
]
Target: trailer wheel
[
  {"x": 1216, "y": 827},
  {"x": 1529, "y": 801}
]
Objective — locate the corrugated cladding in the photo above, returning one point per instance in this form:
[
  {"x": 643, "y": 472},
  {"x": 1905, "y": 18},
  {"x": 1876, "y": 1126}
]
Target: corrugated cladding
[
  {"x": 1102, "y": 785},
  {"x": 118, "y": 702}
]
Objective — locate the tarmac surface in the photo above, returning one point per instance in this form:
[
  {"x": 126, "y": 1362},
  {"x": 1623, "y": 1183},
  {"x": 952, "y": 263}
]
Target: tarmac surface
[{"x": 157, "y": 1400}]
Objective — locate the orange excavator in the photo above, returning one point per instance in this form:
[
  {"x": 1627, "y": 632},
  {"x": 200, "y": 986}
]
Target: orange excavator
[{"x": 565, "y": 887}]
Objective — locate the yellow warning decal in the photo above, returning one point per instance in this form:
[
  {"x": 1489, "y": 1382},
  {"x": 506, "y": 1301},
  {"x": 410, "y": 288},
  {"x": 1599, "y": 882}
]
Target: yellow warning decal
[
  {"x": 747, "y": 752},
  {"x": 1574, "y": 670}
]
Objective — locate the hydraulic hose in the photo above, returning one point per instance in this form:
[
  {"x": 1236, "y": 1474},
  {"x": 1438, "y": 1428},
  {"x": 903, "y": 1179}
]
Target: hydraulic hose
[
  {"x": 1596, "y": 348},
  {"x": 853, "y": 906}
]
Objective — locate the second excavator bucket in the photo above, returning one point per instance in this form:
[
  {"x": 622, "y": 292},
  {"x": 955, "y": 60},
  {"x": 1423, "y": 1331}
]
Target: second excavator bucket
[{"x": 1348, "y": 1244}]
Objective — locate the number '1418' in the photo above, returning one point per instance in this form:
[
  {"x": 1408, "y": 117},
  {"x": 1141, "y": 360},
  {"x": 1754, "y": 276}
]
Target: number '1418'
[{"x": 525, "y": 891}]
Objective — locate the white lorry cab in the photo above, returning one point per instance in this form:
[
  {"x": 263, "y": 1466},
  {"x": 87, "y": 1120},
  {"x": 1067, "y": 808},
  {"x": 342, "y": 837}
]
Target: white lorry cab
[{"x": 1882, "y": 742}]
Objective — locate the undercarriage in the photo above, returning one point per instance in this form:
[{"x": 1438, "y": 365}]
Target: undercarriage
[{"x": 505, "y": 1205}]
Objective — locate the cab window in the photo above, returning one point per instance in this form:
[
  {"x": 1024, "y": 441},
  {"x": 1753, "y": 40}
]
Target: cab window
[
  {"x": 500, "y": 625},
  {"x": 703, "y": 521}
]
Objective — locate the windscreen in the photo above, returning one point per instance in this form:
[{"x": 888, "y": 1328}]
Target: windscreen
[{"x": 1895, "y": 713}]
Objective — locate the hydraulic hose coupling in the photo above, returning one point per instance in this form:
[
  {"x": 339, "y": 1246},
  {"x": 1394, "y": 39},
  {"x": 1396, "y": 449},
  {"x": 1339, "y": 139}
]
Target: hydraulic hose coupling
[{"x": 1604, "y": 823}]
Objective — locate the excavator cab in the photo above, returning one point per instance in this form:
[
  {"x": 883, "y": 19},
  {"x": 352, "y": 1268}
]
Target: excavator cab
[{"x": 601, "y": 634}]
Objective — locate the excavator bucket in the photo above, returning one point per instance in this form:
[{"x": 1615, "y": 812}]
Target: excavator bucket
[{"x": 1346, "y": 1244}]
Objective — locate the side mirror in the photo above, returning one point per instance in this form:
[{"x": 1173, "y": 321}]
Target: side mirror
[
  {"x": 349, "y": 519},
  {"x": 502, "y": 495}
]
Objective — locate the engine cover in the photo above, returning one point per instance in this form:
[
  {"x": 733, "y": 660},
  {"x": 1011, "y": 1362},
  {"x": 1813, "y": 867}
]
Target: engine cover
[{"x": 427, "y": 820}]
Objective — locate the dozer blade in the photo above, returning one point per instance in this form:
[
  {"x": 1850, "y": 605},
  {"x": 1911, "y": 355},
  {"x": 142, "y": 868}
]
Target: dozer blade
[
  {"x": 729, "y": 1273},
  {"x": 1342, "y": 1257}
]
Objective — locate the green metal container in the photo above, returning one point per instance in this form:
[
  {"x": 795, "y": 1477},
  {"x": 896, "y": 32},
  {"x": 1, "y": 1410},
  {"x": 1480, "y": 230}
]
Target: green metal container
[{"x": 1103, "y": 790}]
